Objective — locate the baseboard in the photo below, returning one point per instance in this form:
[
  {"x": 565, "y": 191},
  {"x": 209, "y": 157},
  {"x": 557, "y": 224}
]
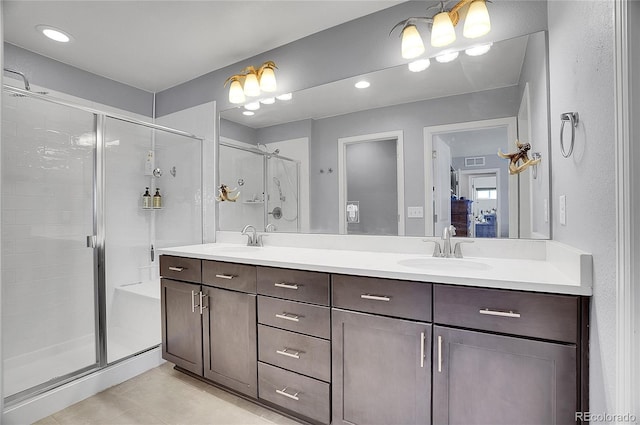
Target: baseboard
[{"x": 43, "y": 405}]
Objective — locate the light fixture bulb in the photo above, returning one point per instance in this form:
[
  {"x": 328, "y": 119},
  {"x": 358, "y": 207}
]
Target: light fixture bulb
[
  {"x": 251, "y": 85},
  {"x": 478, "y": 50},
  {"x": 248, "y": 113},
  {"x": 362, "y": 84},
  {"x": 419, "y": 65},
  {"x": 412, "y": 45},
  {"x": 268, "y": 80},
  {"x": 253, "y": 106},
  {"x": 54, "y": 33},
  {"x": 236, "y": 94},
  {"x": 268, "y": 101},
  {"x": 477, "y": 22},
  {"x": 442, "y": 32},
  {"x": 445, "y": 57},
  {"x": 285, "y": 96}
]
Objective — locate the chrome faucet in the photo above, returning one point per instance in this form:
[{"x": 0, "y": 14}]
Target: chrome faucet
[
  {"x": 270, "y": 228},
  {"x": 447, "y": 232},
  {"x": 252, "y": 239}
]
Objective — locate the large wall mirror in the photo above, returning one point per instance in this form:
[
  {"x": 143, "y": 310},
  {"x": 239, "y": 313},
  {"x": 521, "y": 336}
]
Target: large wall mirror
[{"x": 410, "y": 154}]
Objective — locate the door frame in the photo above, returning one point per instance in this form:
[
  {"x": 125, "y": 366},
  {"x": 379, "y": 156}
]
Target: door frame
[
  {"x": 398, "y": 135},
  {"x": 429, "y": 132},
  {"x": 470, "y": 174}
]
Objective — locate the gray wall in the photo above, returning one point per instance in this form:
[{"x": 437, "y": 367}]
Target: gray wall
[
  {"x": 58, "y": 76},
  {"x": 581, "y": 65},
  {"x": 350, "y": 49},
  {"x": 238, "y": 132}
]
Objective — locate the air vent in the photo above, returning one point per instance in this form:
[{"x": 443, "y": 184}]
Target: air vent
[{"x": 474, "y": 161}]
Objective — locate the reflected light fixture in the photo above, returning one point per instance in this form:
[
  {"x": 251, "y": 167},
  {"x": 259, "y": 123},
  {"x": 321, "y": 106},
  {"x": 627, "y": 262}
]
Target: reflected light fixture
[
  {"x": 446, "y": 57},
  {"x": 268, "y": 101},
  {"x": 251, "y": 82},
  {"x": 478, "y": 50},
  {"x": 253, "y": 106},
  {"x": 248, "y": 113},
  {"x": 419, "y": 65},
  {"x": 285, "y": 96},
  {"x": 362, "y": 84},
  {"x": 442, "y": 26}
]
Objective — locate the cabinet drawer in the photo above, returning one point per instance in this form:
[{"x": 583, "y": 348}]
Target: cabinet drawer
[
  {"x": 181, "y": 268},
  {"x": 398, "y": 298},
  {"x": 294, "y": 316},
  {"x": 238, "y": 277},
  {"x": 300, "y": 353},
  {"x": 298, "y": 285},
  {"x": 294, "y": 392},
  {"x": 553, "y": 317}
]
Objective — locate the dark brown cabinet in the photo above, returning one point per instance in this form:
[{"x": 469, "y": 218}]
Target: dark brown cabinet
[
  {"x": 381, "y": 370},
  {"x": 481, "y": 378}
]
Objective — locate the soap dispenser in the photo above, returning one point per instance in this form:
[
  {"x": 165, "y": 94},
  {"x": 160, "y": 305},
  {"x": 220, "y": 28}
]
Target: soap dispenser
[
  {"x": 157, "y": 199},
  {"x": 146, "y": 199}
]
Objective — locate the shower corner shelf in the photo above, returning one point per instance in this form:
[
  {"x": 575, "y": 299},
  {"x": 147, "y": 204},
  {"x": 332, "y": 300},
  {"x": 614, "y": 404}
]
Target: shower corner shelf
[
  {"x": 151, "y": 209},
  {"x": 253, "y": 202}
]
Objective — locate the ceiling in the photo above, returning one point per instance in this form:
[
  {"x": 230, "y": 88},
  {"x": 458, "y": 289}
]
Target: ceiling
[{"x": 157, "y": 44}]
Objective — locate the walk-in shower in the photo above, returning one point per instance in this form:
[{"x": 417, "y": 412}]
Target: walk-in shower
[
  {"x": 268, "y": 183},
  {"x": 79, "y": 271}
]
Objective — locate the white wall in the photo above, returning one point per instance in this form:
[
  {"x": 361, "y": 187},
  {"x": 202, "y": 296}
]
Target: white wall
[{"x": 581, "y": 60}]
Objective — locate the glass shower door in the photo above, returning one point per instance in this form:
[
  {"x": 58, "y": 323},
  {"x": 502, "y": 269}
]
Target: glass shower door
[
  {"x": 48, "y": 278},
  {"x": 283, "y": 209}
]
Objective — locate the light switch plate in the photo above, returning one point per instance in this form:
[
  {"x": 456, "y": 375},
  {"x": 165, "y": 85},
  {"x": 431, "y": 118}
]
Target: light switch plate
[
  {"x": 415, "y": 212},
  {"x": 563, "y": 210}
]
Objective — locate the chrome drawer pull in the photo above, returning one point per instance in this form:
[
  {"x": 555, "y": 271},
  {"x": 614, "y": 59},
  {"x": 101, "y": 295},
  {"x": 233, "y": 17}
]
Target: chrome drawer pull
[
  {"x": 176, "y": 269},
  {"x": 286, "y": 285},
  {"x": 422, "y": 338},
  {"x": 225, "y": 276},
  {"x": 375, "y": 297},
  {"x": 285, "y": 352},
  {"x": 509, "y": 313},
  {"x": 288, "y": 316},
  {"x": 439, "y": 353},
  {"x": 202, "y": 298},
  {"x": 286, "y": 394},
  {"x": 193, "y": 301}
]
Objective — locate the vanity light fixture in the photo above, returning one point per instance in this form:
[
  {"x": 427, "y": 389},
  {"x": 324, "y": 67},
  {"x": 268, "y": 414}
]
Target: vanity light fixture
[
  {"x": 285, "y": 96},
  {"x": 54, "y": 34},
  {"x": 419, "y": 65},
  {"x": 251, "y": 82},
  {"x": 253, "y": 106},
  {"x": 447, "y": 56},
  {"x": 442, "y": 26},
  {"x": 362, "y": 84},
  {"x": 478, "y": 50}
]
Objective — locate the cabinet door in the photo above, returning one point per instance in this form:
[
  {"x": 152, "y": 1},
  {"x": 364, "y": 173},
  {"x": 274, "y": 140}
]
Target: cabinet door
[
  {"x": 381, "y": 370},
  {"x": 230, "y": 339},
  {"x": 181, "y": 325},
  {"x": 481, "y": 378}
]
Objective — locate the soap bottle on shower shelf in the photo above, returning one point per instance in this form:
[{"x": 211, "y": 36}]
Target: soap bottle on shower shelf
[
  {"x": 157, "y": 199},
  {"x": 146, "y": 199}
]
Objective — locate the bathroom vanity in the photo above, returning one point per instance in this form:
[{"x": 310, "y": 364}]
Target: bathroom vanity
[{"x": 354, "y": 337}]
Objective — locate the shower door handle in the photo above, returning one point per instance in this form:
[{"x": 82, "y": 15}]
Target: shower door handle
[{"x": 91, "y": 241}]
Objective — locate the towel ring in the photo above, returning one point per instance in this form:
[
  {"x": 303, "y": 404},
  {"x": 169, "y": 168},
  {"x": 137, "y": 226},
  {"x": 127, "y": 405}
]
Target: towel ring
[{"x": 573, "y": 118}]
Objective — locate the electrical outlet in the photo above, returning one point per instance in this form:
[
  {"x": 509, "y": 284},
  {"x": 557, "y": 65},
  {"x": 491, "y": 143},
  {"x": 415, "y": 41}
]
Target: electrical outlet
[
  {"x": 563, "y": 210},
  {"x": 415, "y": 212}
]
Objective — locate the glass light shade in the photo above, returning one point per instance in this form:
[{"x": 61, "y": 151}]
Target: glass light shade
[
  {"x": 251, "y": 85},
  {"x": 445, "y": 57},
  {"x": 285, "y": 96},
  {"x": 412, "y": 45},
  {"x": 478, "y": 50},
  {"x": 442, "y": 32},
  {"x": 253, "y": 106},
  {"x": 268, "y": 80},
  {"x": 477, "y": 22},
  {"x": 268, "y": 101},
  {"x": 236, "y": 94},
  {"x": 419, "y": 65}
]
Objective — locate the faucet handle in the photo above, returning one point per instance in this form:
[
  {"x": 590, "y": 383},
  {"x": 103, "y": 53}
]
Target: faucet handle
[
  {"x": 457, "y": 250},
  {"x": 259, "y": 239},
  {"x": 437, "y": 249}
]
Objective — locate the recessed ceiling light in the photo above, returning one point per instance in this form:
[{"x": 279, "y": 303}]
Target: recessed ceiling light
[
  {"x": 445, "y": 57},
  {"x": 285, "y": 96},
  {"x": 419, "y": 65},
  {"x": 253, "y": 106},
  {"x": 248, "y": 113},
  {"x": 362, "y": 84},
  {"x": 478, "y": 50},
  {"x": 54, "y": 34},
  {"x": 268, "y": 101}
]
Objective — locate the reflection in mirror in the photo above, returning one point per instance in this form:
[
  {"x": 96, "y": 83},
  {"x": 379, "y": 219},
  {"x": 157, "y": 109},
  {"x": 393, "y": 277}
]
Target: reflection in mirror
[{"x": 445, "y": 114}]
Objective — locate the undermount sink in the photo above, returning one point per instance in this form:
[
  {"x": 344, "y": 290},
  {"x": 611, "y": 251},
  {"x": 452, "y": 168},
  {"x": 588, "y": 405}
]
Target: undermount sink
[{"x": 443, "y": 264}]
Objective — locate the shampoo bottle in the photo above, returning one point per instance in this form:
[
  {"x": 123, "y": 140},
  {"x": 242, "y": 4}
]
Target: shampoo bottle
[
  {"x": 146, "y": 199},
  {"x": 157, "y": 199}
]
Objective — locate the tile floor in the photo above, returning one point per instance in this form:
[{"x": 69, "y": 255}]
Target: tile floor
[{"x": 165, "y": 396}]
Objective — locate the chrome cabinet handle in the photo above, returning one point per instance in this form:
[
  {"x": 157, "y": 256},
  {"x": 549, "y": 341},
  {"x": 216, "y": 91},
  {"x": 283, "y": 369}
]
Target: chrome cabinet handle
[
  {"x": 202, "y": 306},
  {"x": 288, "y": 316},
  {"x": 422, "y": 339},
  {"x": 439, "y": 353},
  {"x": 375, "y": 297},
  {"x": 193, "y": 302},
  {"x": 225, "y": 276},
  {"x": 285, "y": 352},
  {"x": 176, "y": 269},
  {"x": 286, "y": 394},
  {"x": 509, "y": 313},
  {"x": 286, "y": 285}
]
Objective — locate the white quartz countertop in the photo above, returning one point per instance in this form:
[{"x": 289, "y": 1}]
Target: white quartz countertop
[{"x": 517, "y": 274}]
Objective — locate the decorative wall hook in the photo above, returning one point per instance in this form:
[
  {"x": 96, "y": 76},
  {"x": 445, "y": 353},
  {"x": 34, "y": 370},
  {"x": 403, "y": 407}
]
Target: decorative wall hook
[
  {"x": 574, "y": 119},
  {"x": 224, "y": 194},
  {"x": 520, "y": 155}
]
